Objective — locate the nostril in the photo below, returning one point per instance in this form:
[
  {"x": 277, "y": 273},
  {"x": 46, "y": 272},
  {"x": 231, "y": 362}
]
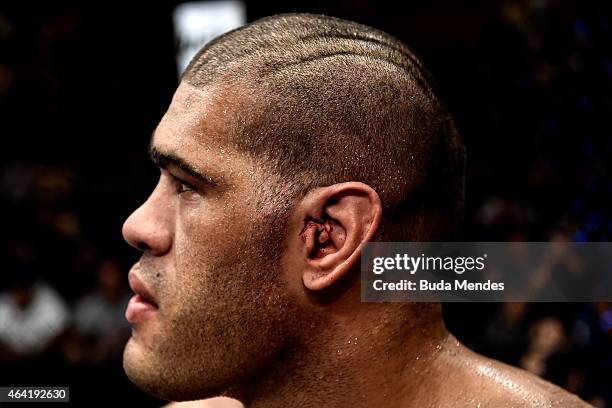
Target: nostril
[{"x": 143, "y": 246}]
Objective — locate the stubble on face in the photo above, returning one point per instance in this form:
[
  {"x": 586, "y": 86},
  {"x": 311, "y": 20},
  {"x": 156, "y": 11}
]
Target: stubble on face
[{"x": 224, "y": 308}]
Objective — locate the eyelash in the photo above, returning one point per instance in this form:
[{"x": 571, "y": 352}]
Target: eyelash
[{"x": 182, "y": 187}]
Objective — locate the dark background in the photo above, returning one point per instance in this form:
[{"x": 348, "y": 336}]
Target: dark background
[{"x": 83, "y": 86}]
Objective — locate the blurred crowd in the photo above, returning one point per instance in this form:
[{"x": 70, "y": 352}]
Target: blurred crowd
[{"x": 539, "y": 140}]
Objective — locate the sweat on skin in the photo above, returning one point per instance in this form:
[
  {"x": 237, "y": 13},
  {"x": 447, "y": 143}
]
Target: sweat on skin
[{"x": 254, "y": 272}]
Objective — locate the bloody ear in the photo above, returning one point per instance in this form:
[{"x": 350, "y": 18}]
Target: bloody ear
[
  {"x": 322, "y": 237},
  {"x": 338, "y": 221}
]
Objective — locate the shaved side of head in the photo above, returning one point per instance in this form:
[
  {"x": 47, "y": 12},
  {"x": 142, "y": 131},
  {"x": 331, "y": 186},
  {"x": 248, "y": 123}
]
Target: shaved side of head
[{"x": 333, "y": 101}]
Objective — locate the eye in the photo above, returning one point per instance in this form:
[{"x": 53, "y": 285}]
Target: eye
[{"x": 182, "y": 187}]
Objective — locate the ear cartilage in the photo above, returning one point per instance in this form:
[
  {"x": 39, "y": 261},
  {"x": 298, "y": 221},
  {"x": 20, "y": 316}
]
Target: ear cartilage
[{"x": 324, "y": 233}]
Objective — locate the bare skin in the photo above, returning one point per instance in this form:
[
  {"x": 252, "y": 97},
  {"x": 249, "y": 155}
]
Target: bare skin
[
  {"x": 481, "y": 382},
  {"x": 286, "y": 331},
  {"x": 218, "y": 402}
]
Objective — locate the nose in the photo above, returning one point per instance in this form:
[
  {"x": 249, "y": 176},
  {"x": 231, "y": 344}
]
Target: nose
[{"x": 148, "y": 229}]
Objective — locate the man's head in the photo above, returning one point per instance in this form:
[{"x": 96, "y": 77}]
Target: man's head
[{"x": 289, "y": 143}]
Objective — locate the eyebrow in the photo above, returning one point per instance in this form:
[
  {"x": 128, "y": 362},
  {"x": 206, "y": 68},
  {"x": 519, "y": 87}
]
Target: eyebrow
[{"x": 163, "y": 160}]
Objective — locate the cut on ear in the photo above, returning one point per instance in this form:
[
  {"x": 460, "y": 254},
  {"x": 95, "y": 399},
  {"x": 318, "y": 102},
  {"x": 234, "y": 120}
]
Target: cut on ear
[{"x": 335, "y": 222}]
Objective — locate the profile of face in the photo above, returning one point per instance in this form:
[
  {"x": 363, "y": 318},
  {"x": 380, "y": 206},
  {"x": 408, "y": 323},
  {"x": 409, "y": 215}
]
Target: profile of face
[
  {"x": 229, "y": 290},
  {"x": 202, "y": 261}
]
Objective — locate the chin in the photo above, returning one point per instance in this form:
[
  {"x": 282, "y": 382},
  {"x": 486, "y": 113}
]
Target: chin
[
  {"x": 165, "y": 380},
  {"x": 140, "y": 371}
]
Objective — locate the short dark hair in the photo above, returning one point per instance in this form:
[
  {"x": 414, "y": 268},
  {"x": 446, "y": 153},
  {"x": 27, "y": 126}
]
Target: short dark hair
[{"x": 340, "y": 101}]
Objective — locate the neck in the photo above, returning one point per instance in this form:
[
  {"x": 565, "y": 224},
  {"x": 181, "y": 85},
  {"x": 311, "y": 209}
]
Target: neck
[{"x": 353, "y": 363}]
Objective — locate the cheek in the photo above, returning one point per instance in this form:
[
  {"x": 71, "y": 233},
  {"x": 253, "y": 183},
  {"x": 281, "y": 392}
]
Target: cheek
[
  {"x": 210, "y": 230},
  {"x": 209, "y": 237}
]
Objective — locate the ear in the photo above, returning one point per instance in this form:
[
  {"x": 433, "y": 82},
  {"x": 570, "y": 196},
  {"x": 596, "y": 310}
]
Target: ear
[{"x": 328, "y": 230}]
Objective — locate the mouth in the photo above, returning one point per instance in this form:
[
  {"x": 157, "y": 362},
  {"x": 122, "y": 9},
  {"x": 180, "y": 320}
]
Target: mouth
[{"x": 143, "y": 304}]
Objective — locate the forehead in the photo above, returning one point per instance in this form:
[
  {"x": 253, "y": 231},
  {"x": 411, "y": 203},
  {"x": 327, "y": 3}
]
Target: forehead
[
  {"x": 197, "y": 116},
  {"x": 197, "y": 128}
]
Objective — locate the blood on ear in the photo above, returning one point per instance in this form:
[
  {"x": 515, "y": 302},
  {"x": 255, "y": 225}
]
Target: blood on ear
[{"x": 320, "y": 231}]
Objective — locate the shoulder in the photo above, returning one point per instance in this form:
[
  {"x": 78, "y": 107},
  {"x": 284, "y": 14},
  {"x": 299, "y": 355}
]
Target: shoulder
[
  {"x": 504, "y": 385},
  {"x": 219, "y": 402}
]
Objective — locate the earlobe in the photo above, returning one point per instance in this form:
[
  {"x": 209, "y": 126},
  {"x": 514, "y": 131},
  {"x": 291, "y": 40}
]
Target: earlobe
[{"x": 346, "y": 216}]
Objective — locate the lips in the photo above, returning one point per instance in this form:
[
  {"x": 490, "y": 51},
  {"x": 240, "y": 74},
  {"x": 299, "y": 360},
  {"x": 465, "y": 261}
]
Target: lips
[
  {"x": 139, "y": 287},
  {"x": 143, "y": 305}
]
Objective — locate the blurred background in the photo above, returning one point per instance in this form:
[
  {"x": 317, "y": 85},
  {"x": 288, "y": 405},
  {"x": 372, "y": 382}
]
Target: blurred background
[{"x": 83, "y": 86}]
